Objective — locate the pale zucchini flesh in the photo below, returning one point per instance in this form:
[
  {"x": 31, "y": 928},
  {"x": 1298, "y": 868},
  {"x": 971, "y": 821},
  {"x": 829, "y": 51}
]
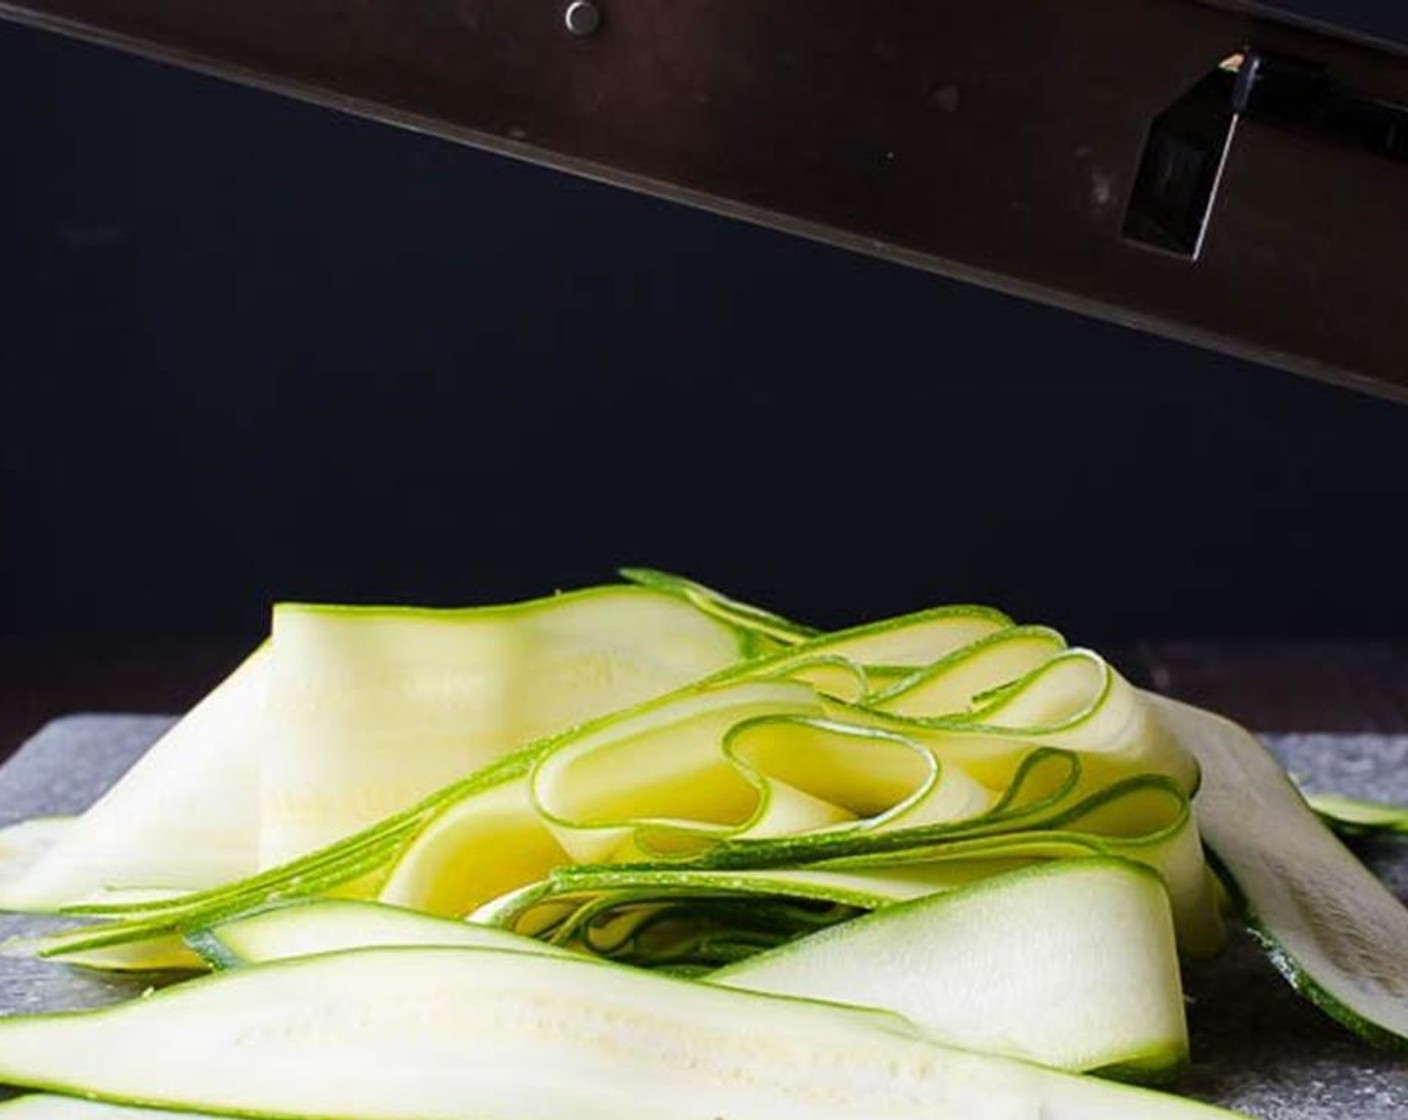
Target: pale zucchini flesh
[
  {"x": 441, "y": 1034},
  {"x": 1329, "y": 926},
  {"x": 498, "y": 839},
  {"x": 185, "y": 817},
  {"x": 168, "y": 954},
  {"x": 956, "y": 682},
  {"x": 24, "y": 845},
  {"x": 372, "y": 709},
  {"x": 1071, "y": 964}
]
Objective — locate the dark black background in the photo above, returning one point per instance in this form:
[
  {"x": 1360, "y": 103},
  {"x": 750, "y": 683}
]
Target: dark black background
[{"x": 252, "y": 349}]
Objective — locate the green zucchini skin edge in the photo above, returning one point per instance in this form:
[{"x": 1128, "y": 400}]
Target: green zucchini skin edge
[
  {"x": 212, "y": 950},
  {"x": 763, "y": 625},
  {"x": 1357, "y": 818},
  {"x": 1301, "y": 980},
  {"x": 52, "y": 1106},
  {"x": 1304, "y": 984}
]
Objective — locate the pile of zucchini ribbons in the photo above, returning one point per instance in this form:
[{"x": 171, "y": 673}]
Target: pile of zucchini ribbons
[{"x": 943, "y": 835}]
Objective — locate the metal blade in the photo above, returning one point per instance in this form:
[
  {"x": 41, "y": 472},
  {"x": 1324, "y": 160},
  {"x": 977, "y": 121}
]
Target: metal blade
[{"x": 1205, "y": 171}]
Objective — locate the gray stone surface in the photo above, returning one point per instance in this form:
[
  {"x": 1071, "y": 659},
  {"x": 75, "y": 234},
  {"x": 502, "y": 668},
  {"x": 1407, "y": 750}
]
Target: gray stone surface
[
  {"x": 1257, "y": 1046},
  {"x": 65, "y": 767},
  {"x": 62, "y": 770}
]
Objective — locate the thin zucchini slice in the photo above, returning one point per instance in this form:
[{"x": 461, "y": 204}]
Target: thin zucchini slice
[
  {"x": 771, "y": 631},
  {"x": 890, "y": 651},
  {"x": 371, "y": 709},
  {"x": 1327, "y": 924},
  {"x": 497, "y": 840},
  {"x": 740, "y": 775},
  {"x": 574, "y": 905},
  {"x": 1070, "y": 964},
  {"x": 956, "y": 682},
  {"x": 1078, "y": 701},
  {"x": 185, "y": 817},
  {"x": 445, "y": 1033},
  {"x": 169, "y": 954},
  {"x": 910, "y": 641},
  {"x": 24, "y": 845},
  {"x": 476, "y": 849},
  {"x": 331, "y": 925},
  {"x": 1355, "y": 816},
  {"x": 599, "y": 792},
  {"x": 1146, "y": 820}
]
